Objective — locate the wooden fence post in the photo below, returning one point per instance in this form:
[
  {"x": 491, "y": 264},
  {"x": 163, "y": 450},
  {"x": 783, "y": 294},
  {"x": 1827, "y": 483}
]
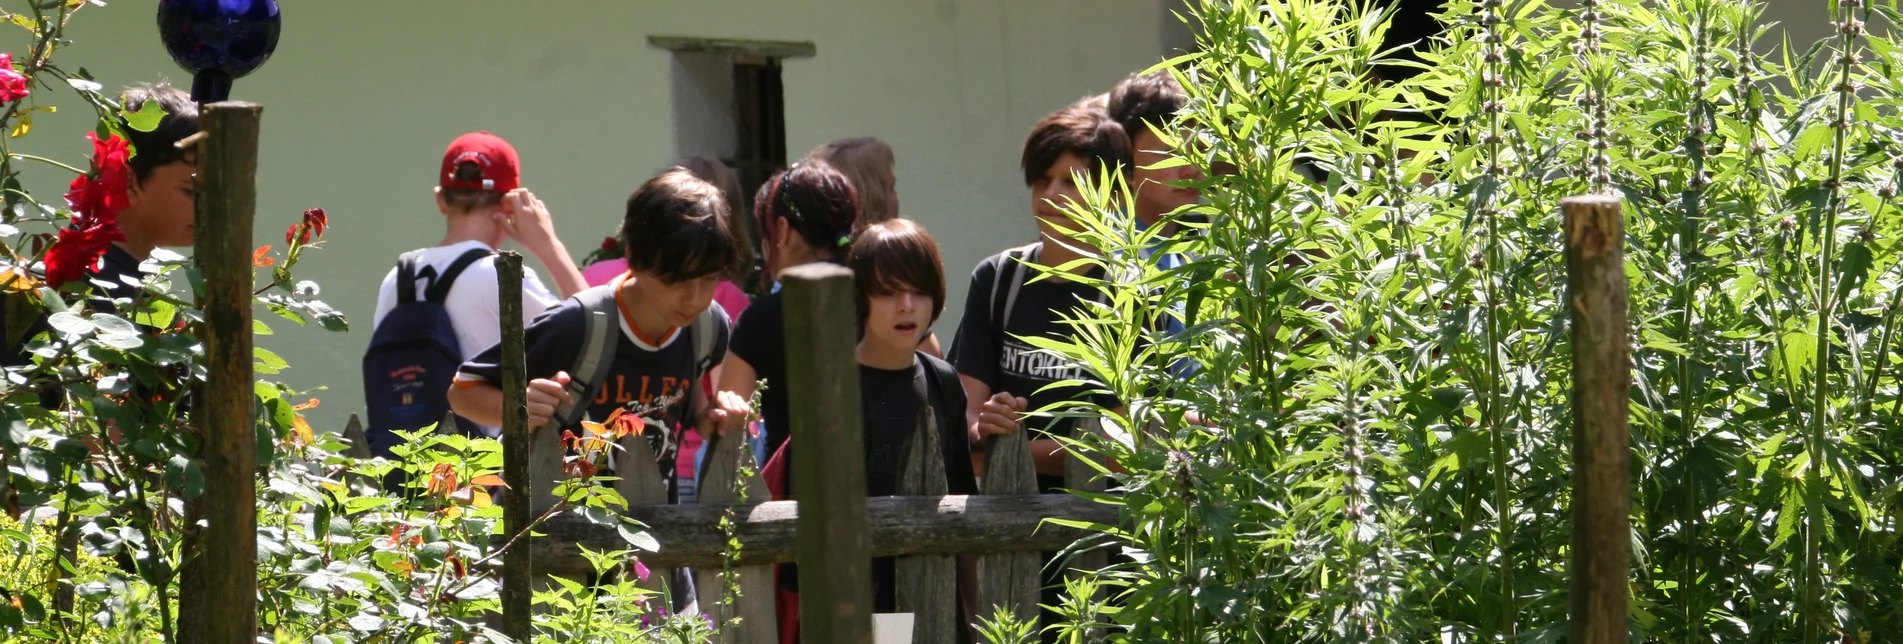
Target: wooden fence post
[
  {"x": 1602, "y": 382},
  {"x": 227, "y": 553},
  {"x": 359, "y": 441},
  {"x": 719, "y": 481},
  {"x": 1010, "y": 578},
  {"x": 926, "y": 584},
  {"x": 518, "y": 572},
  {"x": 828, "y": 455}
]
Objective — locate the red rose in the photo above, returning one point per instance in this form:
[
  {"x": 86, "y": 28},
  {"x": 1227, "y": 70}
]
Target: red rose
[
  {"x": 608, "y": 244},
  {"x": 76, "y": 251},
  {"x": 12, "y": 84},
  {"x": 100, "y": 196},
  {"x": 96, "y": 199}
]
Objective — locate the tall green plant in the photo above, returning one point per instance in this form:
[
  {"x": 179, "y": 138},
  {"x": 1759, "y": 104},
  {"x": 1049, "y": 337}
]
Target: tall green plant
[{"x": 1375, "y": 302}]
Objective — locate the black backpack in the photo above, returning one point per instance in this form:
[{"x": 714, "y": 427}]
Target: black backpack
[{"x": 414, "y": 355}]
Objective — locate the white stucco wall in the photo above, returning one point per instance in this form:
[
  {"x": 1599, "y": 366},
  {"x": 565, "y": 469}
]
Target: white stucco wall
[{"x": 363, "y": 95}]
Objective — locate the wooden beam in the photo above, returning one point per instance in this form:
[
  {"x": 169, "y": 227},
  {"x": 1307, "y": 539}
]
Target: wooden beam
[
  {"x": 761, "y": 48},
  {"x": 768, "y": 532},
  {"x": 227, "y": 557},
  {"x": 829, "y": 458},
  {"x": 518, "y": 574},
  {"x": 1602, "y": 385}
]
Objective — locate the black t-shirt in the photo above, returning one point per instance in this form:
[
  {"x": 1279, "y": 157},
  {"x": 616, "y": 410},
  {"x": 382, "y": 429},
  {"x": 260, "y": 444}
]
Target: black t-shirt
[
  {"x": 988, "y": 347},
  {"x": 889, "y": 401},
  {"x": 641, "y": 372},
  {"x": 759, "y": 337}
]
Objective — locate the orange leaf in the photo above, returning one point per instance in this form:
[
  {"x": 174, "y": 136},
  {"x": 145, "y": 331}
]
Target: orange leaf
[
  {"x": 479, "y": 498},
  {"x": 309, "y": 404},
  {"x": 15, "y": 280},
  {"x": 260, "y": 257},
  {"x": 442, "y": 480},
  {"x": 487, "y": 479},
  {"x": 302, "y": 431}
]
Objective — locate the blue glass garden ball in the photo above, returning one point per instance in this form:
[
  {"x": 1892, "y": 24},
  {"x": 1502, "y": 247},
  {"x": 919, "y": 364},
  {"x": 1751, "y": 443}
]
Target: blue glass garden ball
[{"x": 218, "y": 41}]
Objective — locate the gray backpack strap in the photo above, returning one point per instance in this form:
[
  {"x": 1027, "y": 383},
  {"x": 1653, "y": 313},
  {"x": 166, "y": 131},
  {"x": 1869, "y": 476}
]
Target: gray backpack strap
[
  {"x": 597, "y": 353},
  {"x": 705, "y": 333},
  {"x": 1013, "y": 264}
]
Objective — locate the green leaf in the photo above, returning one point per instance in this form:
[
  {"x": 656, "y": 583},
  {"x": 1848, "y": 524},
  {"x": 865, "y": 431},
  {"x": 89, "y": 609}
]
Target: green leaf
[
  {"x": 70, "y": 323},
  {"x": 268, "y": 363},
  {"x": 147, "y": 118},
  {"x": 638, "y": 538},
  {"x": 181, "y": 473}
]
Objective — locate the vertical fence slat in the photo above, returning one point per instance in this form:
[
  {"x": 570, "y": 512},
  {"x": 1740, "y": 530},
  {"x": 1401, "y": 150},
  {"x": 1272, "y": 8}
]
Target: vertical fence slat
[
  {"x": 754, "y": 606},
  {"x": 1010, "y": 578},
  {"x": 518, "y": 572},
  {"x": 227, "y": 557},
  {"x": 545, "y": 467},
  {"x": 828, "y": 454},
  {"x": 1602, "y": 382},
  {"x": 926, "y": 585},
  {"x": 1081, "y": 476},
  {"x": 359, "y": 442},
  {"x": 640, "y": 484}
]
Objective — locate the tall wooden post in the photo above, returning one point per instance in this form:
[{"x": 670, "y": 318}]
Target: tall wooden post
[
  {"x": 517, "y": 566},
  {"x": 1602, "y": 382},
  {"x": 226, "y": 605},
  {"x": 828, "y": 455},
  {"x": 925, "y": 585}
]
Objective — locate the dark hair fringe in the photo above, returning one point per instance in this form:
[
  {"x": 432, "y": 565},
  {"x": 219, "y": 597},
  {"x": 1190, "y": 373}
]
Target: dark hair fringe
[
  {"x": 466, "y": 200},
  {"x": 676, "y": 228},
  {"x": 1081, "y": 130},
  {"x": 894, "y": 254},
  {"x": 158, "y": 147},
  {"x": 1144, "y": 100}
]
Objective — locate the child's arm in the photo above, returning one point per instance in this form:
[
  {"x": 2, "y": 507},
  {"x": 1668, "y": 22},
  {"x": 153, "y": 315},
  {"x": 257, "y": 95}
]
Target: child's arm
[
  {"x": 731, "y": 405},
  {"x": 481, "y": 402},
  {"x": 529, "y": 223}
]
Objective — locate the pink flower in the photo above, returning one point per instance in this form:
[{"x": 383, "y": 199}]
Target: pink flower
[
  {"x": 640, "y": 570},
  {"x": 12, "y": 84}
]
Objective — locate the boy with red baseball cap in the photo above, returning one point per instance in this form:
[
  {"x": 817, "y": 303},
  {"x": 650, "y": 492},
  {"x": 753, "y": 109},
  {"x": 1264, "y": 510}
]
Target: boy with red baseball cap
[{"x": 480, "y": 196}]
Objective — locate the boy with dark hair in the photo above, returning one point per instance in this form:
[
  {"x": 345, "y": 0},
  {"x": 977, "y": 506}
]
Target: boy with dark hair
[
  {"x": 667, "y": 330},
  {"x": 1144, "y": 104},
  {"x": 410, "y": 362},
  {"x": 1002, "y": 375},
  {"x": 161, "y": 203}
]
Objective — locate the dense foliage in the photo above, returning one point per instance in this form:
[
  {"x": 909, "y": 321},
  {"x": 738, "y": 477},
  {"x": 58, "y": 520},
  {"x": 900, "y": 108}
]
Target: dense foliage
[{"x": 1376, "y": 301}]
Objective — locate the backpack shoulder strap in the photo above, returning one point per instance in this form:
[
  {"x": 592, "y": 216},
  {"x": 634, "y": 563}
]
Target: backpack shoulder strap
[
  {"x": 597, "y": 352},
  {"x": 439, "y": 286},
  {"x": 1012, "y": 264},
  {"x": 406, "y": 271},
  {"x": 705, "y": 333},
  {"x": 942, "y": 374}
]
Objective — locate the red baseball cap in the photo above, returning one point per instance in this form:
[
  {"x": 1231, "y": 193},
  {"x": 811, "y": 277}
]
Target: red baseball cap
[{"x": 501, "y": 172}]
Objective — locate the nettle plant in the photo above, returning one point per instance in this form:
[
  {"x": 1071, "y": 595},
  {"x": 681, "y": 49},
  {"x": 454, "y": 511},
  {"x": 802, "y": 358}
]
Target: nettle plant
[{"x": 1375, "y": 299}]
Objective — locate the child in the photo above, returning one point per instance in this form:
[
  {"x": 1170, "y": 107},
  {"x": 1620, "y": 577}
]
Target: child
[
  {"x": 899, "y": 285},
  {"x": 804, "y": 215},
  {"x": 1003, "y": 376},
  {"x": 728, "y": 295},
  {"x": 480, "y": 197},
  {"x": 868, "y": 164},
  {"x": 1144, "y": 104},
  {"x": 679, "y": 245},
  {"x": 161, "y": 203}
]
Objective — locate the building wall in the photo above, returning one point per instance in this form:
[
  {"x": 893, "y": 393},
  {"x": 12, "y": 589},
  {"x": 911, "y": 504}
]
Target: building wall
[{"x": 363, "y": 95}]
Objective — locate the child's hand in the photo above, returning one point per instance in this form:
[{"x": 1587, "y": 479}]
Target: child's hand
[
  {"x": 1001, "y": 415},
  {"x": 527, "y": 220},
  {"x": 729, "y": 412},
  {"x": 545, "y": 396}
]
